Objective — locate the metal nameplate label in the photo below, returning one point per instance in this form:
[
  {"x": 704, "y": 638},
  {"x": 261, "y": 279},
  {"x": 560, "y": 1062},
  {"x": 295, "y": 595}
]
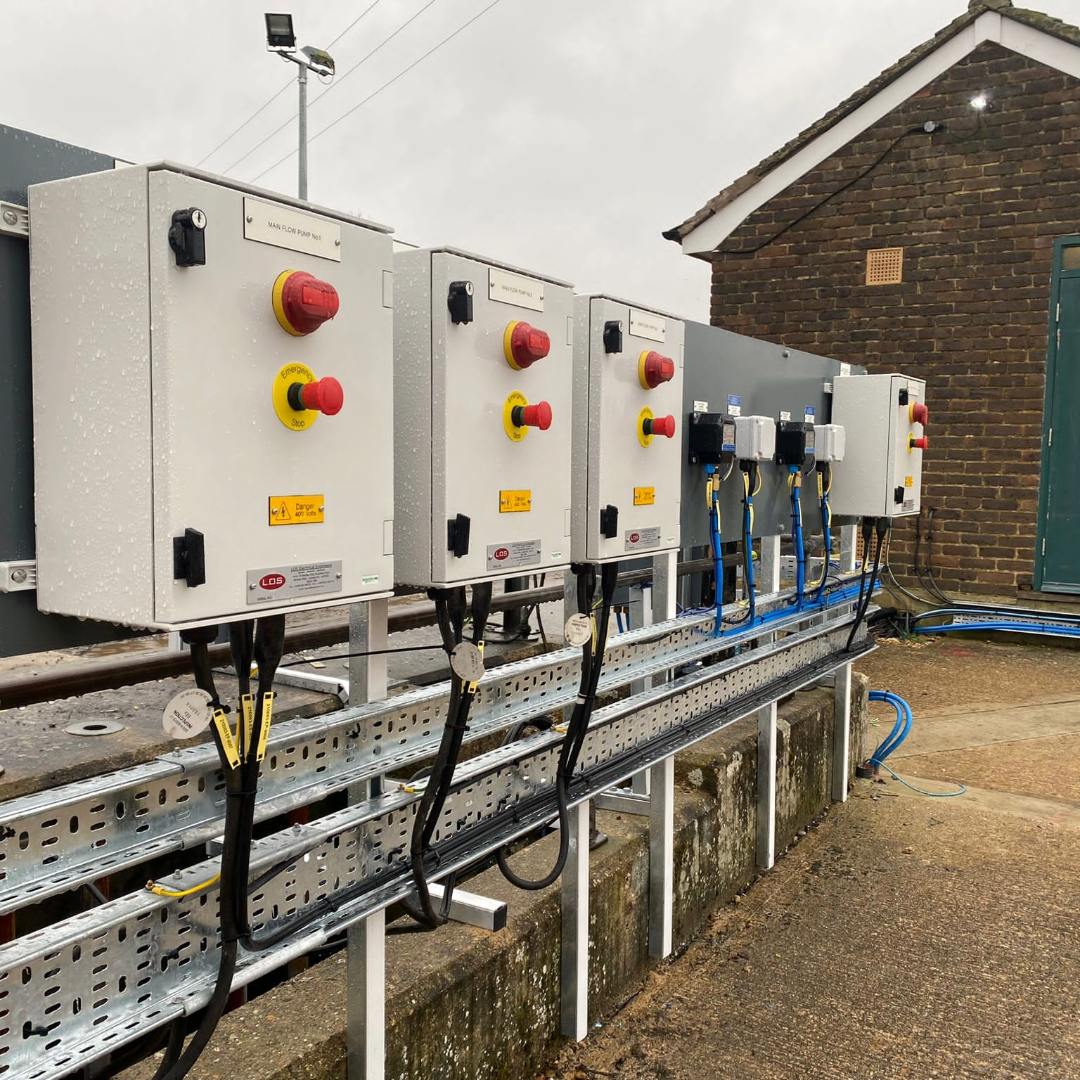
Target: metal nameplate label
[
  {"x": 641, "y": 539},
  {"x": 645, "y": 324},
  {"x": 734, "y": 405},
  {"x": 283, "y": 227},
  {"x": 507, "y": 288},
  {"x": 515, "y": 502},
  {"x": 644, "y": 496},
  {"x": 284, "y": 582},
  {"x": 296, "y": 510},
  {"x": 511, "y": 556},
  {"x": 701, "y": 406}
]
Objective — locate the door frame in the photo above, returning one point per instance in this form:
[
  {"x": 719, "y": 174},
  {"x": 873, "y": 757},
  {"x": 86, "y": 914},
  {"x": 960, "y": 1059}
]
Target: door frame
[{"x": 1060, "y": 244}]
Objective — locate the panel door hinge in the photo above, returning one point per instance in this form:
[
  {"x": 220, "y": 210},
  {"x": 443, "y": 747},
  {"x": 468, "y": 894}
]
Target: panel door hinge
[
  {"x": 1044, "y": 545},
  {"x": 14, "y": 220},
  {"x": 1050, "y": 439},
  {"x": 1057, "y": 316}
]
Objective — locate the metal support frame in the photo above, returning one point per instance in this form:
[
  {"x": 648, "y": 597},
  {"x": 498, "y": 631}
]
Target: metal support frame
[
  {"x": 163, "y": 948},
  {"x": 365, "y": 1032},
  {"x": 766, "y": 786},
  {"x": 574, "y": 966},
  {"x": 661, "y": 858},
  {"x": 849, "y": 557},
  {"x": 841, "y": 745},
  {"x": 769, "y": 575}
]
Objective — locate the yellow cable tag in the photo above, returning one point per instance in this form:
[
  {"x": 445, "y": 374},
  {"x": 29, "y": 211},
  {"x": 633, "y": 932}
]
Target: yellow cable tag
[
  {"x": 228, "y": 743},
  {"x": 247, "y": 710},
  {"x": 268, "y": 709}
]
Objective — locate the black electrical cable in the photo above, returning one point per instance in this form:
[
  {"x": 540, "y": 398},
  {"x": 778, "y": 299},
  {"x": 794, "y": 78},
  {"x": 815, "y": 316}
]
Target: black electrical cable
[
  {"x": 450, "y": 609},
  {"x": 920, "y": 130},
  {"x": 178, "y": 1062},
  {"x": 592, "y": 657},
  {"x": 866, "y": 589}
]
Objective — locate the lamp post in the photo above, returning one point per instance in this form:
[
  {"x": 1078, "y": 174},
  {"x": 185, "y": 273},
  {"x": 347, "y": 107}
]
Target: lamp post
[{"x": 281, "y": 39}]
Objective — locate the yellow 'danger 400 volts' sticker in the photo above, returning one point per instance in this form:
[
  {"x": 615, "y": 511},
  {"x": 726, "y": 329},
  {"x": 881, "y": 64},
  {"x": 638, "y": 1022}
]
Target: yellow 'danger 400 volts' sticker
[
  {"x": 296, "y": 509},
  {"x": 644, "y": 496},
  {"x": 515, "y": 502}
]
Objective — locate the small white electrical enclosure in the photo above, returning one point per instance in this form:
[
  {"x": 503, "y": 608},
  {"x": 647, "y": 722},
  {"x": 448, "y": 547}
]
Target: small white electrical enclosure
[
  {"x": 483, "y": 385},
  {"x": 885, "y": 418},
  {"x": 829, "y": 442},
  {"x": 755, "y": 438},
  {"x": 212, "y": 400},
  {"x": 628, "y": 377}
]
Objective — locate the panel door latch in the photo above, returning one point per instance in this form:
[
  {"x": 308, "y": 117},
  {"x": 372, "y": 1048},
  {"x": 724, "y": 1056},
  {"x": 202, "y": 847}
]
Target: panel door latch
[
  {"x": 609, "y": 522},
  {"x": 613, "y": 336},
  {"x": 189, "y": 558},
  {"x": 457, "y": 535},
  {"x": 459, "y": 299},
  {"x": 187, "y": 237}
]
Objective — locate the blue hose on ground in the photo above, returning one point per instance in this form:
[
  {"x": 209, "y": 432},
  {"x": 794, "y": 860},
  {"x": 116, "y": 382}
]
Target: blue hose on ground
[
  {"x": 895, "y": 737},
  {"x": 900, "y": 729}
]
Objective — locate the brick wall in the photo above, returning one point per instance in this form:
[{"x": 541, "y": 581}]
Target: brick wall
[{"x": 976, "y": 209}]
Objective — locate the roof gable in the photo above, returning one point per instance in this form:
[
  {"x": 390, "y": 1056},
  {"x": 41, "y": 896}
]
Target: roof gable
[{"x": 1018, "y": 29}]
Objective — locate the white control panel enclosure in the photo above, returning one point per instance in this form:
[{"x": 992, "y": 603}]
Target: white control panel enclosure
[
  {"x": 755, "y": 438},
  {"x": 154, "y": 412},
  {"x": 616, "y": 465},
  {"x": 455, "y": 457},
  {"x": 881, "y": 475},
  {"x": 829, "y": 442}
]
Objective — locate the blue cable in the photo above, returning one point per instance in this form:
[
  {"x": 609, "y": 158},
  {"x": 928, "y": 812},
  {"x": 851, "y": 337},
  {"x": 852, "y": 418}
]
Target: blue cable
[
  {"x": 930, "y": 794},
  {"x": 797, "y": 536},
  {"x": 826, "y": 527},
  {"x": 1020, "y": 628}
]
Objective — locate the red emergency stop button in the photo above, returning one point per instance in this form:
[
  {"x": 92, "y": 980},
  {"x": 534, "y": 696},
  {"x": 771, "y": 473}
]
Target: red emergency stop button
[
  {"x": 660, "y": 425},
  {"x": 324, "y": 395},
  {"x": 918, "y": 444},
  {"x": 918, "y": 413},
  {"x": 302, "y": 303},
  {"x": 654, "y": 369},
  {"x": 538, "y": 415},
  {"x": 523, "y": 345}
]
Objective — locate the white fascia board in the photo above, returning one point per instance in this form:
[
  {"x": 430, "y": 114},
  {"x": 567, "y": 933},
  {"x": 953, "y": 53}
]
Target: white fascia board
[{"x": 990, "y": 26}]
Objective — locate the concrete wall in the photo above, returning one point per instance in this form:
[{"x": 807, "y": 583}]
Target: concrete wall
[{"x": 464, "y": 1004}]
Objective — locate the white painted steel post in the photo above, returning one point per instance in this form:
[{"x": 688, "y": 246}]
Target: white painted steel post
[
  {"x": 766, "y": 786},
  {"x": 366, "y": 1023},
  {"x": 575, "y": 928},
  {"x": 661, "y": 858},
  {"x": 841, "y": 748}
]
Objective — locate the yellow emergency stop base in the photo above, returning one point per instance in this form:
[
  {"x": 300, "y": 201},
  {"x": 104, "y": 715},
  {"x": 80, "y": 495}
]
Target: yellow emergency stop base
[
  {"x": 645, "y": 414},
  {"x": 293, "y": 420},
  {"x": 513, "y": 432}
]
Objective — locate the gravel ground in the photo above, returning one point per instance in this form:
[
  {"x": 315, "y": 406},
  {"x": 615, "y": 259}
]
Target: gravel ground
[{"x": 903, "y": 936}]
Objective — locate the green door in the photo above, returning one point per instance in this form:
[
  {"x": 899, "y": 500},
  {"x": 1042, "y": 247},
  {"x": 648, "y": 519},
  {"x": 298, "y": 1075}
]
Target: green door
[{"x": 1057, "y": 559}]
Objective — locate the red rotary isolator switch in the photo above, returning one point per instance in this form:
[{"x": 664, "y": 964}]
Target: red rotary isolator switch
[
  {"x": 302, "y": 303},
  {"x": 918, "y": 413},
  {"x": 325, "y": 396},
  {"x": 538, "y": 415},
  {"x": 918, "y": 444},
  {"x": 654, "y": 369},
  {"x": 523, "y": 345},
  {"x": 659, "y": 425}
]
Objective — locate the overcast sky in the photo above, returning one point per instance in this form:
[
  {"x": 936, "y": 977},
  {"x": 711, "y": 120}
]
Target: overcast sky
[{"x": 559, "y": 135}]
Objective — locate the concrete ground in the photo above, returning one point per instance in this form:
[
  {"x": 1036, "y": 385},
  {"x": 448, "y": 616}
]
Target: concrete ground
[{"x": 903, "y": 936}]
